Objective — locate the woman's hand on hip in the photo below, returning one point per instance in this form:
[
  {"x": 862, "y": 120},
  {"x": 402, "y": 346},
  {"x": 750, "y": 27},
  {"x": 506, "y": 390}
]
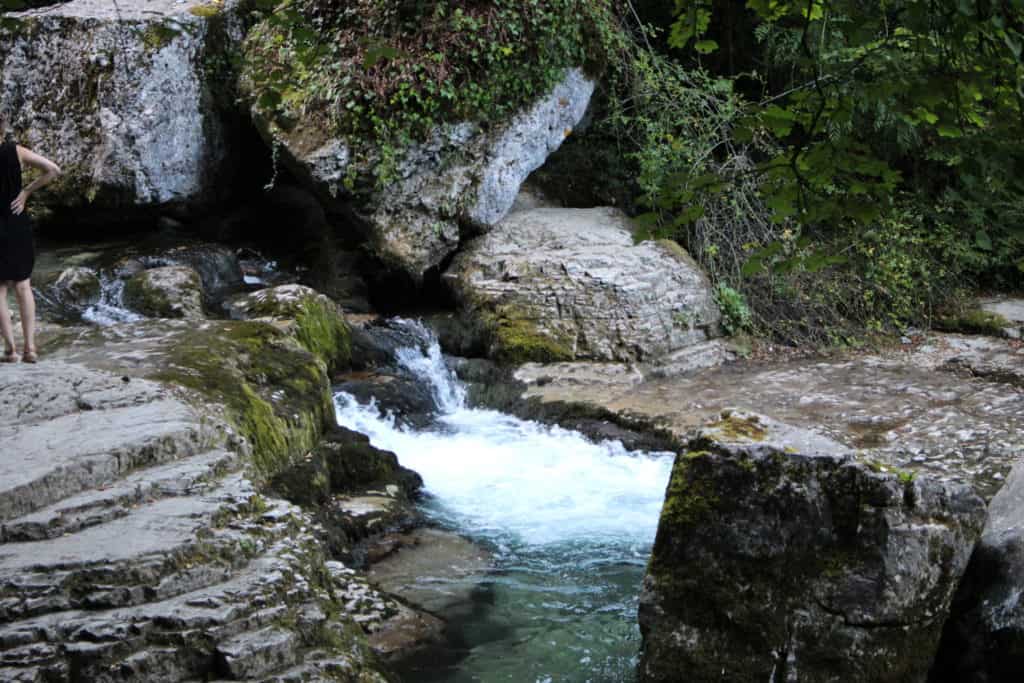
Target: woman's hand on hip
[{"x": 18, "y": 205}]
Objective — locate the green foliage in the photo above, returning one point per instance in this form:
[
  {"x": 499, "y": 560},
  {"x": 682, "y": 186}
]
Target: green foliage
[
  {"x": 391, "y": 72},
  {"x": 885, "y": 144},
  {"x": 736, "y": 316}
]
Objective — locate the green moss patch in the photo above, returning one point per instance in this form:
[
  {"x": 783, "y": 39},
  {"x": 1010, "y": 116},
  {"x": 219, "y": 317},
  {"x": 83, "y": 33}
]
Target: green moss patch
[
  {"x": 275, "y": 392},
  {"x": 974, "y": 321},
  {"x": 690, "y": 497},
  {"x": 735, "y": 428}
]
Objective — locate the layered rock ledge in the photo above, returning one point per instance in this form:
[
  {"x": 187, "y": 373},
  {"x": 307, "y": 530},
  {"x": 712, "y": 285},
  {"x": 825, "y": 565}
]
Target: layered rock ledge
[
  {"x": 552, "y": 284},
  {"x": 138, "y": 540}
]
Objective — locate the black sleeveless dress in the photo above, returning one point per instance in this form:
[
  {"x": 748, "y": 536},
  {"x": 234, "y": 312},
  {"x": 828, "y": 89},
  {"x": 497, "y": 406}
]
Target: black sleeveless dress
[{"x": 17, "y": 253}]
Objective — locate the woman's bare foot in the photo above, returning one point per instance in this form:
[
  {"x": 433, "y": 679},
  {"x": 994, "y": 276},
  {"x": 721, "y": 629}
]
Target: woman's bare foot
[
  {"x": 10, "y": 356},
  {"x": 29, "y": 356}
]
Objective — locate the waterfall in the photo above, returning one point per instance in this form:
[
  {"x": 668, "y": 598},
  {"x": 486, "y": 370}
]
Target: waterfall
[{"x": 571, "y": 522}]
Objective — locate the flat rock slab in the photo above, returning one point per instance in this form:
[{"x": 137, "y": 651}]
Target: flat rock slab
[
  {"x": 68, "y": 428},
  {"x": 944, "y": 408},
  {"x": 434, "y": 569}
]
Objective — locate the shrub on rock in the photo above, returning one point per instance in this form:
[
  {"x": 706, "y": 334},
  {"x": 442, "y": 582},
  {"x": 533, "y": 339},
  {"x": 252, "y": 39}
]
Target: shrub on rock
[{"x": 420, "y": 120}]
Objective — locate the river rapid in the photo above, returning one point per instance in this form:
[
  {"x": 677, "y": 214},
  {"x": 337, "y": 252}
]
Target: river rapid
[{"x": 570, "y": 524}]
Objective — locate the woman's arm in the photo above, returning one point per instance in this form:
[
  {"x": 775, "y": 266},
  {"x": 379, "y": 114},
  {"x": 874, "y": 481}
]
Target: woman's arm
[{"x": 50, "y": 171}]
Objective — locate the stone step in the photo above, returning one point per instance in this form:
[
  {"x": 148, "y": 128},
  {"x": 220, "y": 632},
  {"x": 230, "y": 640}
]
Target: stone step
[
  {"x": 45, "y": 462},
  {"x": 268, "y": 616},
  {"x": 94, "y": 507},
  {"x": 159, "y": 549}
]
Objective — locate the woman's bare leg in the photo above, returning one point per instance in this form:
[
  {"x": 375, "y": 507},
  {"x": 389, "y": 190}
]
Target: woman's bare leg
[
  {"x": 5, "y": 320},
  {"x": 27, "y": 307}
]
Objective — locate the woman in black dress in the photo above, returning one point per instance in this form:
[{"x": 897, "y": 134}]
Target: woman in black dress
[{"x": 17, "y": 253}]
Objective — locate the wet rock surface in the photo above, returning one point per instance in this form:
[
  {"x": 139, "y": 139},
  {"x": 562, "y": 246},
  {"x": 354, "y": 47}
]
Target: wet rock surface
[
  {"x": 570, "y": 284},
  {"x": 780, "y": 556},
  {"x": 434, "y": 569}
]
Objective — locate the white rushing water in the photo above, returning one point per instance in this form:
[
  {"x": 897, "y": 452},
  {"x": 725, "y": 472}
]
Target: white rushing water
[
  {"x": 570, "y": 521},
  {"x": 497, "y": 474},
  {"x": 110, "y": 310}
]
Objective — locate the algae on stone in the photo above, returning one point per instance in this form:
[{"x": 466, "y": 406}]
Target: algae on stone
[{"x": 777, "y": 552}]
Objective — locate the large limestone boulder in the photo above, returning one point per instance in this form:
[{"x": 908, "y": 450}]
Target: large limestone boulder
[
  {"x": 463, "y": 180},
  {"x": 166, "y": 292},
  {"x": 780, "y": 557},
  {"x": 127, "y": 97},
  {"x": 563, "y": 284}
]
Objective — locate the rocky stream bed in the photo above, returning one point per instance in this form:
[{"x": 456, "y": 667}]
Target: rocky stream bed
[{"x": 235, "y": 463}]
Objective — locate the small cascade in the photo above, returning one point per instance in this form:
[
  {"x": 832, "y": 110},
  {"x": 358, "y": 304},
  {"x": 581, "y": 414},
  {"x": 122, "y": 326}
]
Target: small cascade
[
  {"x": 569, "y": 521},
  {"x": 110, "y": 309}
]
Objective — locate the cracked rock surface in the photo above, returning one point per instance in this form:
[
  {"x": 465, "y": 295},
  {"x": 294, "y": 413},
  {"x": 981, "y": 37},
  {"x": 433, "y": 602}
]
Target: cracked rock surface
[{"x": 136, "y": 543}]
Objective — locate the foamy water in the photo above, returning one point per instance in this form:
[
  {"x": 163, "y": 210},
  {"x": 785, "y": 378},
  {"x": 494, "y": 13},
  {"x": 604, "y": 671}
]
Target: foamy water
[{"x": 571, "y": 522}]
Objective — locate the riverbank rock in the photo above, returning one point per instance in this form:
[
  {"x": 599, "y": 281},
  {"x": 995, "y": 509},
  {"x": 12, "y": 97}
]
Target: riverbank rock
[
  {"x": 567, "y": 284},
  {"x": 462, "y": 181},
  {"x": 129, "y": 99},
  {"x": 779, "y": 556},
  {"x": 166, "y": 292},
  {"x": 984, "y": 639},
  {"x": 1010, "y": 310},
  {"x": 135, "y": 543},
  {"x": 316, "y": 321},
  {"x": 78, "y": 286},
  {"x": 358, "y": 491}
]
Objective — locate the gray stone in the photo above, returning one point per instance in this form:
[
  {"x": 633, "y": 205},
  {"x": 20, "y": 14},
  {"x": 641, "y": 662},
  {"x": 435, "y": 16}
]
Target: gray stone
[
  {"x": 433, "y": 569},
  {"x": 463, "y": 179},
  {"x": 78, "y": 286},
  {"x": 249, "y": 655},
  {"x": 563, "y": 284},
  {"x": 781, "y": 557},
  {"x": 951, "y": 408},
  {"x": 1010, "y": 309},
  {"x": 125, "y": 97},
  {"x": 166, "y": 292},
  {"x": 984, "y": 640}
]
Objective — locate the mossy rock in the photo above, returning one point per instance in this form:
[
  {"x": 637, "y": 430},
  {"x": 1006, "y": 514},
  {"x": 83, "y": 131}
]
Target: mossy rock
[
  {"x": 974, "y": 321},
  {"x": 344, "y": 462},
  {"x": 516, "y": 339},
  {"x": 166, "y": 292},
  {"x": 316, "y": 321},
  {"x": 273, "y": 390},
  {"x": 777, "y": 551},
  {"x": 78, "y": 286}
]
